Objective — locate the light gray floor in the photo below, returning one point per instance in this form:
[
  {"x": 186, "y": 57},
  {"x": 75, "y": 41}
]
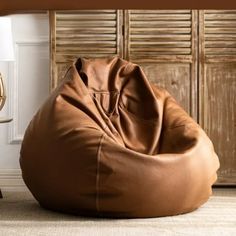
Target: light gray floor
[{"x": 21, "y": 215}]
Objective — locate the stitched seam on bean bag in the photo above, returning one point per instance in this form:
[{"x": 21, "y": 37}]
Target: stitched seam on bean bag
[{"x": 98, "y": 171}]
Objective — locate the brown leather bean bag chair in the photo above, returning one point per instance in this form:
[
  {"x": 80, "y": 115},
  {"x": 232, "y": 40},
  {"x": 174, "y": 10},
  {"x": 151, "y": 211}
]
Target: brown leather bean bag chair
[{"x": 109, "y": 143}]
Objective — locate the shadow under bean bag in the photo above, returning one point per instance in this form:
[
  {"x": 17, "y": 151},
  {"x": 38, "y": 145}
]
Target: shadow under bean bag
[{"x": 109, "y": 143}]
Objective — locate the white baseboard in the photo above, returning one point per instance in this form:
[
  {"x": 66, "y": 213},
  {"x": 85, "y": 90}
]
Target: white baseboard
[{"x": 11, "y": 180}]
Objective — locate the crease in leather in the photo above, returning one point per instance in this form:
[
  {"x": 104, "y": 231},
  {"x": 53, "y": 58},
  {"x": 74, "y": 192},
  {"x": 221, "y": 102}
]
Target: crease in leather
[{"x": 98, "y": 171}]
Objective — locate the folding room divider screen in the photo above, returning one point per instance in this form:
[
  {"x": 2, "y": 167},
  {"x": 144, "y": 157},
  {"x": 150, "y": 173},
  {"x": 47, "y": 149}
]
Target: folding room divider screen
[{"x": 192, "y": 53}]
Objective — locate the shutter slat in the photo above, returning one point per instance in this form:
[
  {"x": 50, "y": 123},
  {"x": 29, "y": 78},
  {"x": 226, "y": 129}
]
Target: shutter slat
[
  {"x": 158, "y": 44},
  {"x": 220, "y": 23},
  {"x": 223, "y": 30},
  {"x": 85, "y": 17},
  {"x": 169, "y": 17},
  {"x": 87, "y": 37},
  {"x": 219, "y": 37},
  {"x": 220, "y": 51},
  {"x": 81, "y": 44},
  {"x": 156, "y": 24},
  {"x": 61, "y": 58},
  {"x": 220, "y": 16},
  {"x": 81, "y": 31},
  {"x": 85, "y": 24},
  {"x": 160, "y": 37},
  {"x": 155, "y": 31},
  {"x": 143, "y": 12},
  {"x": 220, "y": 11},
  {"x": 163, "y": 49},
  {"x": 84, "y": 50},
  {"x": 220, "y": 44}
]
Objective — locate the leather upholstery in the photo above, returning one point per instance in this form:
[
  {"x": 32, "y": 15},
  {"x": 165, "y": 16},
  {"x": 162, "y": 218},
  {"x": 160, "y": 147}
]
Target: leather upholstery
[{"x": 107, "y": 142}]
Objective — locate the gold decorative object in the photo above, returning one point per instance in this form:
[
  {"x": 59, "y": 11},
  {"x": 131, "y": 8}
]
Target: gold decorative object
[
  {"x": 6, "y": 54},
  {"x": 3, "y": 100},
  {"x": 2, "y": 93}
]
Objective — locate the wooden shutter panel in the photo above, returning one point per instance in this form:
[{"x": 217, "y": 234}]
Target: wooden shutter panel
[
  {"x": 153, "y": 33},
  {"x": 83, "y": 33},
  {"x": 218, "y": 85},
  {"x": 163, "y": 42},
  {"x": 220, "y": 33}
]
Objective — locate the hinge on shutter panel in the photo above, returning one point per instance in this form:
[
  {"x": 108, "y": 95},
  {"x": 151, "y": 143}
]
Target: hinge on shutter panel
[{"x": 123, "y": 30}]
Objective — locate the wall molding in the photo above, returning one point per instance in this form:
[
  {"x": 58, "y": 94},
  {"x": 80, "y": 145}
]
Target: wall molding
[
  {"x": 14, "y": 137},
  {"x": 11, "y": 180}
]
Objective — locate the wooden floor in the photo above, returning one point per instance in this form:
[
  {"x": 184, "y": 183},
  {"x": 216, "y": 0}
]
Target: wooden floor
[{"x": 21, "y": 215}]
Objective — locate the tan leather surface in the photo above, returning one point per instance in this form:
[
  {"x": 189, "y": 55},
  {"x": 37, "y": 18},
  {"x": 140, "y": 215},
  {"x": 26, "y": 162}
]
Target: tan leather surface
[{"x": 109, "y": 143}]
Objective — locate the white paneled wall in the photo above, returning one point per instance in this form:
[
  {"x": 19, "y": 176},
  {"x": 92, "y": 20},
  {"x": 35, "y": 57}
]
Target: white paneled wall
[{"x": 27, "y": 80}]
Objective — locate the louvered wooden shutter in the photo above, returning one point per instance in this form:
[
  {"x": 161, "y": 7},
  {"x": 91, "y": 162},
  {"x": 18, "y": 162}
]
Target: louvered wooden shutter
[
  {"x": 218, "y": 85},
  {"x": 219, "y": 34},
  {"x": 164, "y": 43},
  {"x": 154, "y": 33},
  {"x": 83, "y": 33}
]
